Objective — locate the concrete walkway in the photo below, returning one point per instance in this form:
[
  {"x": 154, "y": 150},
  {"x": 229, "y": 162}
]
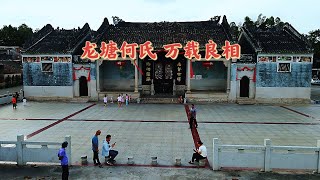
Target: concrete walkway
[
  {"x": 145, "y": 173},
  {"x": 146, "y": 130}
]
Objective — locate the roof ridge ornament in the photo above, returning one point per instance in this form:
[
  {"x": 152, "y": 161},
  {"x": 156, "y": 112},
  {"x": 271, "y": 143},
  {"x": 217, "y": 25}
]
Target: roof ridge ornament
[
  {"x": 116, "y": 20},
  {"x": 216, "y": 19}
]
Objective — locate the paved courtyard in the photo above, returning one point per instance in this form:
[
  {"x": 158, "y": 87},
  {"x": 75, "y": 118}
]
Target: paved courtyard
[{"x": 146, "y": 130}]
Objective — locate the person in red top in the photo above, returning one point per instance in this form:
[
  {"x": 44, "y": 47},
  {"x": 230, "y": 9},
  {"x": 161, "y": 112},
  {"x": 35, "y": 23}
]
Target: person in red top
[{"x": 14, "y": 102}]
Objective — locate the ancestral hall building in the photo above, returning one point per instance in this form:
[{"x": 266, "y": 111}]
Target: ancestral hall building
[{"x": 275, "y": 65}]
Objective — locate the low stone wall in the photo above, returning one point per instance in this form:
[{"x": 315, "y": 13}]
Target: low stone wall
[
  {"x": 44, "y": 98},
  {"x": 48, "y": 91},
  {"x": 282, "y": 101}
]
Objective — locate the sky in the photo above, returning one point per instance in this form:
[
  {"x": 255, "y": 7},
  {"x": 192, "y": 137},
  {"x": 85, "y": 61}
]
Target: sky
[{"x": 304, "y": 15}]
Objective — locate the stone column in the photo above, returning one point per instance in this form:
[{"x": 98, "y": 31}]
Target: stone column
[
  {"x": 152, "y": 91},
  {"x": 19, "y": 149},
  {"x": 228, "y": 76},
  {"x": 136, "y": 77},
  {"x": 68, "y": 139},
  {"x": 174, "y": 88},
  {"x": 98, "y": 76},
  {"x": 215, "y": 159},
  {"x": 188, "y": 75}
]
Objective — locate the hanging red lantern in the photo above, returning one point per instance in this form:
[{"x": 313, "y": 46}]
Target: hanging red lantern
[
  {"x": 120, "y": 64},
  {"x": 207, "y": 64}
]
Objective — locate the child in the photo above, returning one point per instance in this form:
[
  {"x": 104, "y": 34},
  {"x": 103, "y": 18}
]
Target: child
[
  {"x": 24, "y": 100},
  {"x": 122, "y": 99},
  {"x": 119, "y": 100},
  {"x": 180, "y": 100},
  {"x": 127, "y": 99},
  {"x": 105, "y": 100},
  {"x": 14, "y": 102}
]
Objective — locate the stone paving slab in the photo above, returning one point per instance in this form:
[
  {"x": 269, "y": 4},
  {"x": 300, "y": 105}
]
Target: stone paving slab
[
  {"x": 167, "y": 135},
  {"x": 247, "y": 113},
  {"x": 46, "y": 110},
  {"x": 146, "y": 173},
  {"x": 153, "y": 112},
  {"x": 11, "y": 128},
  {"x": 138, "y": 139},
  {"x": 312, "y": 110}
]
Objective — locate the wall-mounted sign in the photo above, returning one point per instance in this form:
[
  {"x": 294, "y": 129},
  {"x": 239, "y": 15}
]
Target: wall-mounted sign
[{"x": 191, "y": 50}]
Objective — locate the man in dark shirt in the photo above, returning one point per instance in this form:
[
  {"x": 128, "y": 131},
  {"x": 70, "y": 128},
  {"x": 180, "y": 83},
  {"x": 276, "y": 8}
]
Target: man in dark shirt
[
  {"x": 95, "y": 149},
  {"x": 193, "y": 116}
]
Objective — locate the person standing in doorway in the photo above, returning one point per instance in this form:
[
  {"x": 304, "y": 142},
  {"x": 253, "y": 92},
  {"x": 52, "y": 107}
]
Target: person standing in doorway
[
  {"x": 63, "y": 157},
  {"x": 193, "y": 116},
  {"x": 95, "y": 149},
  {"x": 105, "y": 100},
  {"x": 24, "y": 100}
]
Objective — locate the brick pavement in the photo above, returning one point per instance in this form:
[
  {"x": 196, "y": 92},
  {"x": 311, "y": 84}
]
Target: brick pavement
[{"x": 145, "y": 130}]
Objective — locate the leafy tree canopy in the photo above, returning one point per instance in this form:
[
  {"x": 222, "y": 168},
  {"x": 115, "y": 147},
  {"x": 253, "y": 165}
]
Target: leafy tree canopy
[{"x": 15, "y": 36}]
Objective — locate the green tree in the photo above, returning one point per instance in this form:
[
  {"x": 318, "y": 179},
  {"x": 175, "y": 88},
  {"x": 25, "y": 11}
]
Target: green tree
[
  {"x": 24, "y": 33},
  {"x": 263, "y": 22},
  {"x": 8, "y": 35},
  {"x": 15, "y": 36},
  {"x": 314, "y": 38}
]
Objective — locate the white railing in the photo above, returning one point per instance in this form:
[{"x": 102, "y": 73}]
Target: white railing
[
  {"x": 266, "y": 157},
  {"x": 22, "y": 152}
]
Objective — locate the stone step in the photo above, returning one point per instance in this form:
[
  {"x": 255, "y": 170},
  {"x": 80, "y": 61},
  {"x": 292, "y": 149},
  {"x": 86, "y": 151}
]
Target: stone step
[
  {"x": 159, "y": 101},
  {"x": 207, "y": 97},
  {"x": 79, "y": 100},
  {"x": 246, "y": 101}
]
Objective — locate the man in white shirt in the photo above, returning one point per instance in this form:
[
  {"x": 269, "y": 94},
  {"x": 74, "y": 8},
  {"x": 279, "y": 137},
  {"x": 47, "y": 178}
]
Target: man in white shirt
[
  {"x": 200, "y": 153},
  {"x": 107, "y": 150}
]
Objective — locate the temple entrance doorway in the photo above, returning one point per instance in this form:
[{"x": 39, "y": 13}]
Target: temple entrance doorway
[
  {"x": 83, "y": 86},
  {"x": 244, "y": 86}
]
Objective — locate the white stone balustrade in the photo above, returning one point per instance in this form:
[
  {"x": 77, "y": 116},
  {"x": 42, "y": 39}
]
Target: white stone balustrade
[
  {"x": 266, "y": 157},
  {"x": 22, "y": 151}
]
